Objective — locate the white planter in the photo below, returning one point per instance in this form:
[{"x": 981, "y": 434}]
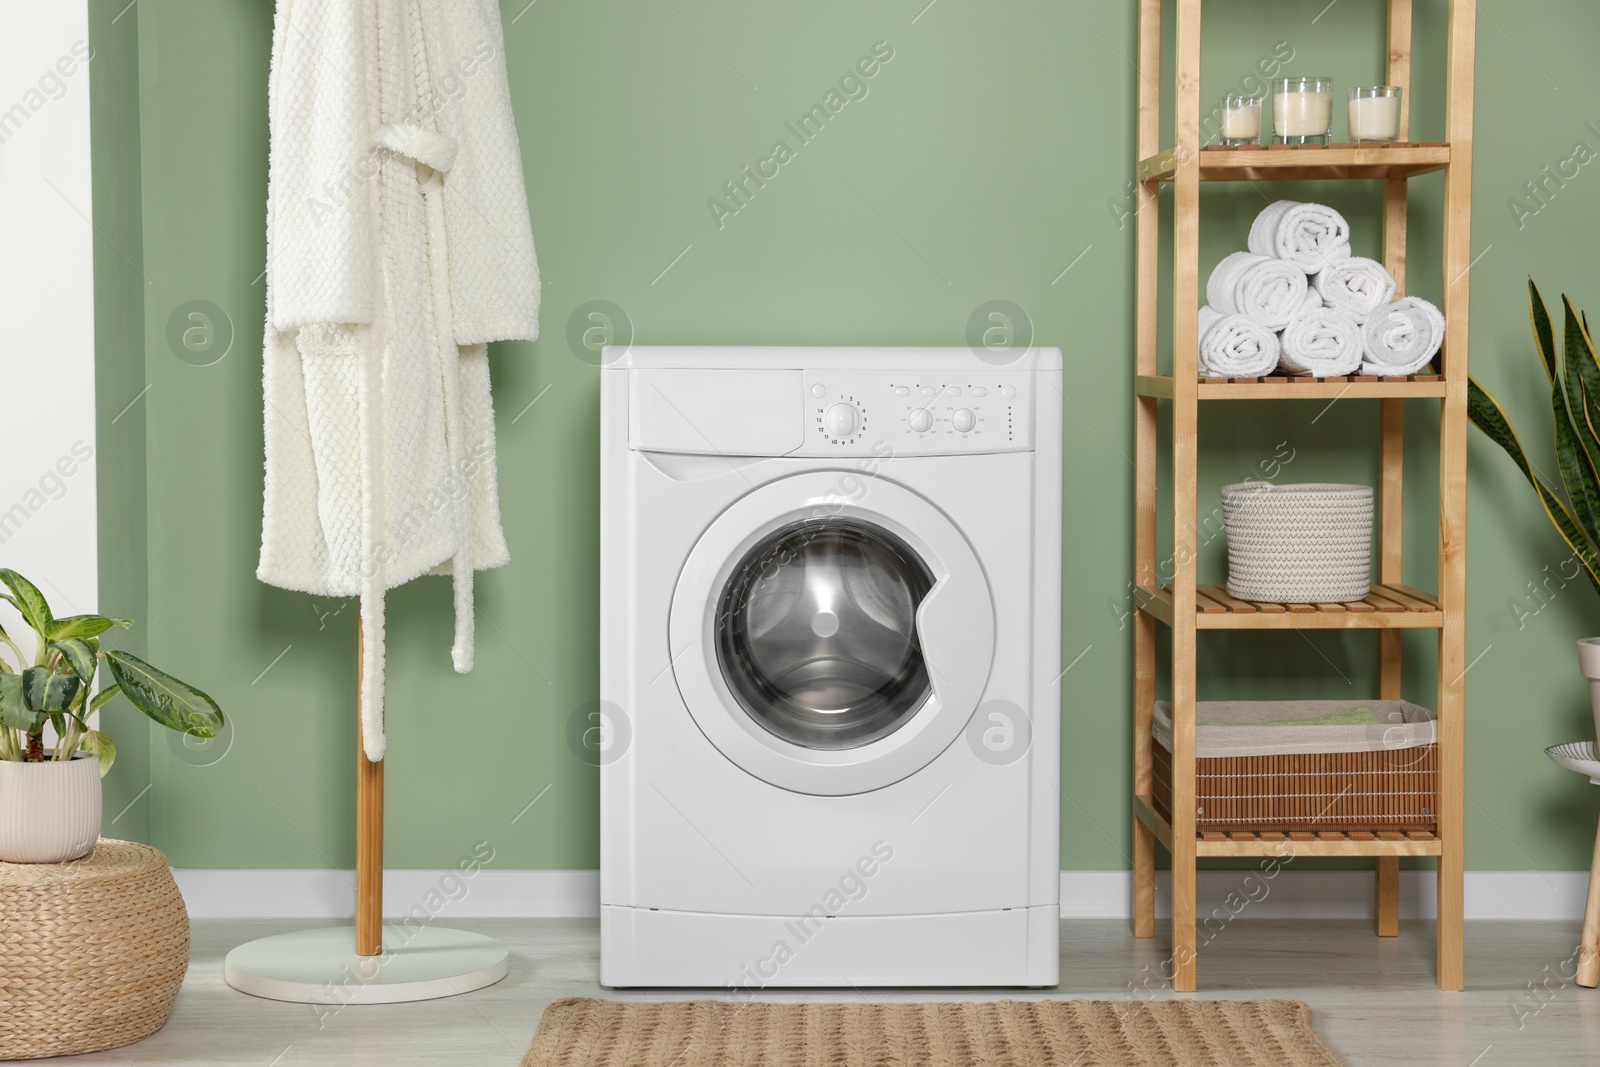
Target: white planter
[
  {"x": 49, "y": 812},
  {"x": 1589, "y": 664}
]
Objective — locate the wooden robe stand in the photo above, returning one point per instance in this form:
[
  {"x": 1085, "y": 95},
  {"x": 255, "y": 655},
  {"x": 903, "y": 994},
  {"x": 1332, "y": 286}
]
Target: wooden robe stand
[
  {"x": 336, "y": 966},
  {"x": 369, "y": 830}
]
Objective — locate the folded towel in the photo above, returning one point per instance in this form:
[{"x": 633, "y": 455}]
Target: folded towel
[
  {"x": 1322, "y": 342},
  {"x": 1358, "y": 285},
  {"x": 1400, "y": 338},
  {"x": 1234, "y": 346},
  {"x": 1268, "y": 291},
  {"x": 1311, "y": 235}
]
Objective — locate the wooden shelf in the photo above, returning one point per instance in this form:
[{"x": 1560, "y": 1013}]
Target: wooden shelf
[
  {"x": 1387, "y": 607},
  {"x": 1295, "y": 844},
  {"x": 1288, "y": 387},
  {"x": 1277, "y": 163},
  {"x": 1167, "y": 441}
]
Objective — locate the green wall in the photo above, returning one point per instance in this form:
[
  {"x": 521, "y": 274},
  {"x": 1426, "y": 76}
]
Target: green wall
[{"x": 991, "y": 152}]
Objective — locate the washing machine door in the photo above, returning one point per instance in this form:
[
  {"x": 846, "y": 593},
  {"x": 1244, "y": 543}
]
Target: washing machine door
[{"x": 832, "y": 633}]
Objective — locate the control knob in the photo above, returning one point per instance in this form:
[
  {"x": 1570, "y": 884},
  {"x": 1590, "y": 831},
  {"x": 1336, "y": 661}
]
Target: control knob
[
  {"x": 920, "y": 420},
  {"x": 841, "y": 420},
  {"x": 963, "y": 420}
]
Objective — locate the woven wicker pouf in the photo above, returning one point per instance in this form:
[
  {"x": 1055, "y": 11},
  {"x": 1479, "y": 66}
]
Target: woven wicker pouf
[{"x": 92, "y": 952}]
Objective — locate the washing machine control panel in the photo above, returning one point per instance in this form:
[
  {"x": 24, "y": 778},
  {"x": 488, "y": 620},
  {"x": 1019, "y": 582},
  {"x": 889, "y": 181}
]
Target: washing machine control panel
[{"x": 917, "y": 413}]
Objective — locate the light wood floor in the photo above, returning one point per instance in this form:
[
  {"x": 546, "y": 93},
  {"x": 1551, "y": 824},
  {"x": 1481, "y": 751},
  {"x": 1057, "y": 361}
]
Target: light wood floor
[{"x": 1373, "y": 1000}]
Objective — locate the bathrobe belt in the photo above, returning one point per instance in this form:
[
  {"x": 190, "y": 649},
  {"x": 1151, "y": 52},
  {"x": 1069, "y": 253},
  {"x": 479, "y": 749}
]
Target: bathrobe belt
[{"x": 429, "y": 147}]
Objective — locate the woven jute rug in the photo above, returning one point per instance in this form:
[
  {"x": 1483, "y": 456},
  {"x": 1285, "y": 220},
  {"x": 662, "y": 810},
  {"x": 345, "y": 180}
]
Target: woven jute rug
[{"x": 585, "y": 1032}]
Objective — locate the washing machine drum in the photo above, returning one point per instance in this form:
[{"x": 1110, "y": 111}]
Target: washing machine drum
[
  {"x": 831, "y": 646},
  {"x": 816, "y": 633}
]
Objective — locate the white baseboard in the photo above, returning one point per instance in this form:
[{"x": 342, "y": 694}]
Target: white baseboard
[{"x": 325, "y": 894}]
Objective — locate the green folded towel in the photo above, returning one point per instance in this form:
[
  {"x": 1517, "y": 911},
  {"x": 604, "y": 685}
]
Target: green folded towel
[{"x": 1362, "y": 716}]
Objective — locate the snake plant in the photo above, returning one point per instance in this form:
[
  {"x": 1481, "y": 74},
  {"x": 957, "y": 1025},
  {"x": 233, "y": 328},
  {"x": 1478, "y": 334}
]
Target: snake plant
[
  {"x": 56, "y": 685},
  {"x": 1574, "y": 375}
]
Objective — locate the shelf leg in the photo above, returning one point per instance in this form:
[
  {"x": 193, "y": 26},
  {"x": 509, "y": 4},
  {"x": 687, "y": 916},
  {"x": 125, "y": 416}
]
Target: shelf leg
[
  {"x": 1457, "y": 263},
  {"x": 1452, "y": 976},
  {"x": 1144, "y": 881},
  {"x": 1185, "y": 949},
  {"x": 1386, "y": 888},
  {"x": 1588, "y": 948},
  {"x": 1387, "y": 909},
  {"x": 1144, "y": 842},
  {"x": 1185, "y": 469},
  {"x": 1148, "y": 284}
]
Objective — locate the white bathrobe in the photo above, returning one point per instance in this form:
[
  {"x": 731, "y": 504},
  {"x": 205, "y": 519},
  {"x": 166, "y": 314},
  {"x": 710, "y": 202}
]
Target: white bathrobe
[{"x": 398, "y": 246}]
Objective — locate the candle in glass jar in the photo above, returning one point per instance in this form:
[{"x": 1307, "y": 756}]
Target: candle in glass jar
[
  {"x": 1375, "y": 113},
  {"x": 1241, "y": 119},
  {"x": 1302, "y": 110}
]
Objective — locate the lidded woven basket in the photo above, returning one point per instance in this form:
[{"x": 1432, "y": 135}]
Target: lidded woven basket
[
  {"x": 92, "y": 951},
  {"x": 1306, "y": 543}
]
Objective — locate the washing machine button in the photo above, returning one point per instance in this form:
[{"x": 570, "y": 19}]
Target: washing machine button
[
  {"x": 928, "y": 390},
  {"x": 979, "y": 390},
  {"x": 920, "y": 420},
  {"x": 1008, "y": 391},
  {"x": 963, "y": 420},
  {"x": 901, "y": 390},
  {"x": 840, "y": 420},
  {"x": 819, "y": 390},
  {"x": 954, "y": 390}
]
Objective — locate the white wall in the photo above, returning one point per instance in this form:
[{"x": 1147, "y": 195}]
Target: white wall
[{"x": 47, "y": 403}]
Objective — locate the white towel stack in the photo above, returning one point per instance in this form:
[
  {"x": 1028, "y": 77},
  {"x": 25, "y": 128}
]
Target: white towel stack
[{"x": 1328, "y": 313}]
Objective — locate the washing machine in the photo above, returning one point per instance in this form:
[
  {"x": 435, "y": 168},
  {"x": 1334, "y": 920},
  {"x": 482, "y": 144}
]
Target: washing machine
[{"x": 830, "y": 657}]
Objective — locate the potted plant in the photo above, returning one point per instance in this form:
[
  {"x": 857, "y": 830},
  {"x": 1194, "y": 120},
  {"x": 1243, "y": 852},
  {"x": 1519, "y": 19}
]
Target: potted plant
[
  {"x": 50, "y": 792},
  {"x": 1574, "y": 375}
]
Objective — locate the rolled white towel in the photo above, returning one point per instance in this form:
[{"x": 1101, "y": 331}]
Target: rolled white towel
[
  {"x": 1234, "y": 346},
  {"x": 1358, "y": 285},
  {"x": 1400, "y": 338},
  {"x": 1267, "y": 291},
  {"x": 1322, "y": 342},
  {"x": 1312, "y": 235}
]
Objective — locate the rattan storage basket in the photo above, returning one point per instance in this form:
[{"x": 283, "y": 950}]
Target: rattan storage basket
[
  {"x": 1253, "y": 777},
  {"x": 1309, "y": 543},
  {"x": 92, "y": 952}
]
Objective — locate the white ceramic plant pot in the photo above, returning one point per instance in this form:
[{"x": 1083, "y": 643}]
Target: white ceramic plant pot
[
  {"x": 50, "y": 811},
  {"x": 1589, "y": 664}
]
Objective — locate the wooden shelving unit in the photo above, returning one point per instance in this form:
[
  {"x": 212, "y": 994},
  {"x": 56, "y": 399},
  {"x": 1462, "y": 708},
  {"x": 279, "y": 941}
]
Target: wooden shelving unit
[{"x": 1187, "y": 607}]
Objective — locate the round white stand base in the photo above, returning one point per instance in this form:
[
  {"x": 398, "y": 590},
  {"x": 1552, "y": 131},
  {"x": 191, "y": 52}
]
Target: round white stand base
[{"x": 321, "y": 966}]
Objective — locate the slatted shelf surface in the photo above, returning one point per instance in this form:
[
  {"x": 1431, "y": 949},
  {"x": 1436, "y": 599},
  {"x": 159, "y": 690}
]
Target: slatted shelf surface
[
  {"x": 1297, "y": 379},
  {"x": 1285, "y": 844},
  {"x": 1297, "y": 387},
  {"x": 1387, "y": 606},
  {"x": 1318, "y": 843},
  {"x": 1402, "y": 159}
]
